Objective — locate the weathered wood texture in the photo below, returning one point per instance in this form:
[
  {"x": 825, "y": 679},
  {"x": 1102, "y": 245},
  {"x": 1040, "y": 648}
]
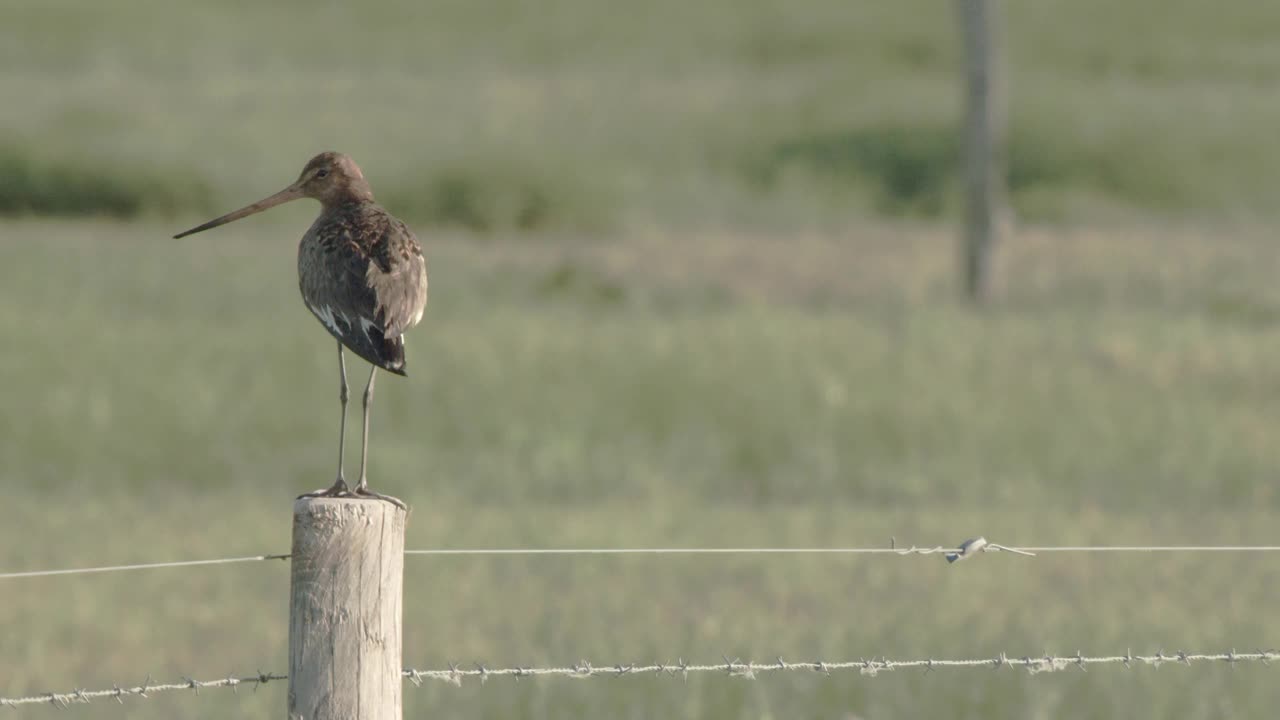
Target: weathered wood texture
[
  {"x": 345, "y": 610},
  {"x": 984, "y": 138}
]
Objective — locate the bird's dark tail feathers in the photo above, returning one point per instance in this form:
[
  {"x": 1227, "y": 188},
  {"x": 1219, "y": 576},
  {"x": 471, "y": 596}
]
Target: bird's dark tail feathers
[
  {"x": 384, "y": 352},
  {"x": 392, "y": 355}
]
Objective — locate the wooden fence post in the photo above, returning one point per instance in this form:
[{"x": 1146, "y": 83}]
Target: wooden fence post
[
  {"x": 984, "y": 136},
  {"x": 345, "y": 596}
]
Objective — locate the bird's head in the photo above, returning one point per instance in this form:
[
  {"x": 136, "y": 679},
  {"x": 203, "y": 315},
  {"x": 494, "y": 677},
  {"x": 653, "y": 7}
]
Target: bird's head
[{"x": 330, "y": 177}]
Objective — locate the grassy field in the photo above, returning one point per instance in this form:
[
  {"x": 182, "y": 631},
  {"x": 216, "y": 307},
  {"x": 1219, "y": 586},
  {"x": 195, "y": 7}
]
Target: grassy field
[
  {"x": 581, "y": 115},
  {"x": 167, "y": 399}
]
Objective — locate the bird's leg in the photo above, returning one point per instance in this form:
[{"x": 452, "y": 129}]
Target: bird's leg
[
  {"x": 362, "y": 489},
  {"x": 341, "y": 483},
  {"x": 364, "y": 437},
  {"x": 339, "y": 486}
]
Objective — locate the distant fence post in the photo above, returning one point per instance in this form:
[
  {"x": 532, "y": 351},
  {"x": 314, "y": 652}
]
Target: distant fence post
[
  {"x": 984, "y": 136},
  {"x": 345, "y": 598}
]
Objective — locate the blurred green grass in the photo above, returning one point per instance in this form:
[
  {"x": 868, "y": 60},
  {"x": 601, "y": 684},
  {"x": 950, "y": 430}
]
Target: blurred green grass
[
  {"x": 828, "y": 387},
  {"x": 577, "y": 115},
  {"x": 166, "y": 400}
]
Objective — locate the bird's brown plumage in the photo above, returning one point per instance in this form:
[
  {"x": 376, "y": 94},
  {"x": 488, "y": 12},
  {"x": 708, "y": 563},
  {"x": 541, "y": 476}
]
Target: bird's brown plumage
[
  {"x": 361, "y": 271},
  {"x": 362, "y": 274}
]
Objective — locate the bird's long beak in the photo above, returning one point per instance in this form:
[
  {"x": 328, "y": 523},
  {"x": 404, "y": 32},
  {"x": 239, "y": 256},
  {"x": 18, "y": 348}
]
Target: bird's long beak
[{"x": 293, "y": 192}]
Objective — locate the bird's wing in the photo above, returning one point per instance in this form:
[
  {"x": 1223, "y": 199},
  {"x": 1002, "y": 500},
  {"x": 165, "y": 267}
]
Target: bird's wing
[
  {"x": 397, "y": 272},
  {"x": 334, "y": 275}
]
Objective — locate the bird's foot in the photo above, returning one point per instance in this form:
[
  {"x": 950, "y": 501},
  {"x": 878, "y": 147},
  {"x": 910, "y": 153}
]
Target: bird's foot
[
  {"x": 362, "y": 491},
  {"x": 338, "y": 489}
]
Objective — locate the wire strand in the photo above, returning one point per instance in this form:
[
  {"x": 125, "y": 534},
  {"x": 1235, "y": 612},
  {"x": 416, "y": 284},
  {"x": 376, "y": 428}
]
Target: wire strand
[
  {"x": 968, "y": 548},
  {"x": 870, "y": 667},
  {"x": 144, "y": 690},
  {"x": 1151, "y": 548},
  {"x": 733, "y": 668},
  {"x": 140, "y": 566},
  {"x": 1019, "y": 549}
]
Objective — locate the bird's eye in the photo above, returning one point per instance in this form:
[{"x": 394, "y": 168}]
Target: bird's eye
[{"x": 322, "y": 173}]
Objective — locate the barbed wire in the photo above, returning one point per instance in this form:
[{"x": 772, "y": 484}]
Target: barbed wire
[
  {"x": 144, "y": 690},
  {"x": 868, "y": 667},
  {"x": 966, "y": 549},
  {"x": 872, "y": 667}
]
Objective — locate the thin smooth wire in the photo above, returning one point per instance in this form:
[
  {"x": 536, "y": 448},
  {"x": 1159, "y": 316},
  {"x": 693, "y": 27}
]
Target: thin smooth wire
[
  {"x": 839, "y": 551},
  {"x": 140, "y": 566},
  {"x": 913, "y": 550},
  {"x": 1153, "y": 548},
  {"x": 654, "y": 551}
]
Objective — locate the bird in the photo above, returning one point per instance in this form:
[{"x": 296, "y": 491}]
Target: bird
[{"x": 362, "y": 274}]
